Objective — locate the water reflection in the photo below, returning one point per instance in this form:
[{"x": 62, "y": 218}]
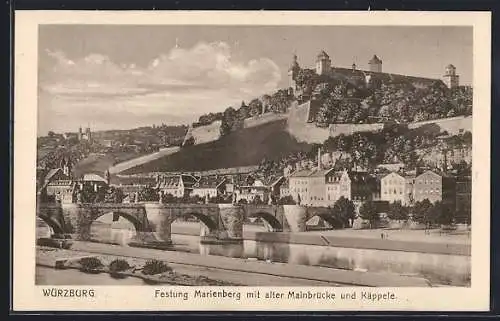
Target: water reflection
[{"x": 441, "y": 269}]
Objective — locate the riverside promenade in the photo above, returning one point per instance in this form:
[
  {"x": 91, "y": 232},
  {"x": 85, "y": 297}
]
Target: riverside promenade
[{"x": 252, "y": 272}]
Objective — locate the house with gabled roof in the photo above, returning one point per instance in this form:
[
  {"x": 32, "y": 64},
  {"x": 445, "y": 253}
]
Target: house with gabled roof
[
  {"x": 177, "y": 185},
  {"x": 209, "y": 186}
]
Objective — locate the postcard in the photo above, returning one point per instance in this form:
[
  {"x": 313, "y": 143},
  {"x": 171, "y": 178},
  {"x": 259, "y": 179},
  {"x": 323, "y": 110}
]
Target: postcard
[{"x": 246, "y": 161}]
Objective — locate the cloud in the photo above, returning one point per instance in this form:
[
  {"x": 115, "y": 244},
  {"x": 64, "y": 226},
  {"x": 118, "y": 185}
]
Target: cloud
[{"x": 181, "y": 83}]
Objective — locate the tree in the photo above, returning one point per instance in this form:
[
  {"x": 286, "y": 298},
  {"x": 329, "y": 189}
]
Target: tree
[
  {"x": 368, "y": 211},
  {"x": 225, "y": 128},
  {"x": 113, "y": 195},
  {"x": 397, "y": 211},
  {"x": 280, "y": 101},
  {"x": 148, "y": 194},
  {"x": 306, "y": 78},
  {"x": 442, "y": 214},
  {"x": 170, "y": 199},
  {"x": 257, "y": 200},
  {"x": 422, "y": 212},
  {"x": 189, "y": 142},
  {"x": 255, "y": 107},
  {"x": 343, "y": 208},
  {"x": 286, "y": 200}
]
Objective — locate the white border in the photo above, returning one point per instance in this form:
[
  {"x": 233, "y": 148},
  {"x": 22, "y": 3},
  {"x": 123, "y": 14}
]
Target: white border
[{"x": 28, "y": 297}]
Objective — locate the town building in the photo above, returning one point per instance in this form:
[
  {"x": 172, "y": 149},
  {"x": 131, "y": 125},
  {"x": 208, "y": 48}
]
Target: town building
[
  {"x": 435, "y": 187},
  {"x": 209, "y": 186},
  {"x": 463, "y": 199},
  {"x": 96, "y": 181},
  {"x": 396, "y": 187},
  {"x": 250, "y": 192},
  {"x": 177, "y": 185},
  {"x": 59, "y": 186},
  {"x": 337, "y": 186},
  {"x": 307, "y": 186},
  {"x": 363, "y": 186},
  {"x": 285, "y": 188}
]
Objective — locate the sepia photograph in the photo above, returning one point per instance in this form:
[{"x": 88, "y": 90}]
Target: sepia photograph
[{"x": 253, "y": 155}]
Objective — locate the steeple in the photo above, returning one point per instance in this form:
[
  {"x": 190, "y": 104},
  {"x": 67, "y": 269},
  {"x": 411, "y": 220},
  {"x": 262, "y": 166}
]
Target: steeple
[
  {"x": 450, "y": 78},
  {"x": 294, "y": 65},
  {"x": 292, "y": 72},
  {"x": 375, "y": 64},
  {"x": 323, "y": 63}
]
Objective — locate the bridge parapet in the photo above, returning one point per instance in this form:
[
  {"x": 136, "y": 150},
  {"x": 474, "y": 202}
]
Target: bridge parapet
[{"x": 153, "y": 220}]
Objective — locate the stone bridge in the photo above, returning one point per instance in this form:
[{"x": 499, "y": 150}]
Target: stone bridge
[{"x": 152, "y": 221}]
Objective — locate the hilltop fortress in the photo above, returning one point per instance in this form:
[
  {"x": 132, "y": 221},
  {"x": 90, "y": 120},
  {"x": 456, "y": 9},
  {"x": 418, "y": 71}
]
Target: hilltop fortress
[
  {"x": 301, "y": 114},
  {"x": 372, "y": 78}
]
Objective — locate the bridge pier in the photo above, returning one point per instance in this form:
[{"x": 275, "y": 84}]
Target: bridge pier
[
  {"x": 160, "y": 220},
  {"x": 77, "y": 220},
  {"x": 296, "y": 217},
  {"x": 231, "y": 217}
]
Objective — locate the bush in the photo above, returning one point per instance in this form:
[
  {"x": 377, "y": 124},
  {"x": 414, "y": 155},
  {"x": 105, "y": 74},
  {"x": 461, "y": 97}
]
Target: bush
[
  {"x": 118, "y": 265},
  {"x": 286, "y": 200},
  {"x": 56, "y": 243},
  {"x": 155, "y": 267},
  {"x": 90, "y": 264},
  {"x": 368, "y": 211}
]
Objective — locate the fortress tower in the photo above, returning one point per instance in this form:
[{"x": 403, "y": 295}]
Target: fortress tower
[
  {"x": 375, "y": 64},
  {"x": 450, "y": 78},
  {"x": 293, "y": 72},
  {"x": 323, "y": 63}
]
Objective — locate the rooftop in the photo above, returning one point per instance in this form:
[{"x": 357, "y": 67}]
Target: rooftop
[{"x": 209, "y": 182}]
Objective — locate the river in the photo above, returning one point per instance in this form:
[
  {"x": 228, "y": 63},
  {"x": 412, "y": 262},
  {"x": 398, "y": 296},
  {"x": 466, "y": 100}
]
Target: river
[{"x": 438, "y": 268}]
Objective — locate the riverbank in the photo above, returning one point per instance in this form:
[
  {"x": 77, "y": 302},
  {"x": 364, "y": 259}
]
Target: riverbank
[
  {"x": 246, "y": 272},
  {"x": 63, "y": 259},
  {"x": 394, "y": 240}
]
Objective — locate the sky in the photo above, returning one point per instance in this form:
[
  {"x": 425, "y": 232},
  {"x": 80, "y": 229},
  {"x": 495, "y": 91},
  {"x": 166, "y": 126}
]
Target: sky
[{"x": 126, "y": 76}]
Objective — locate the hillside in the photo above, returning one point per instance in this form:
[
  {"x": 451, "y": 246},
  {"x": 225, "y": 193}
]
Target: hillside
[{"x": 247, "y": 146}]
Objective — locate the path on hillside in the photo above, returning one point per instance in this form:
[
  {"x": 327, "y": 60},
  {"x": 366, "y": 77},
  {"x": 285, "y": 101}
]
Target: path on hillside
[{"x": 120, "y": 167}]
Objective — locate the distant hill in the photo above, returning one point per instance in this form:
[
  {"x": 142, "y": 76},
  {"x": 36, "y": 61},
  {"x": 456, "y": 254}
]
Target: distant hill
[{"x": 245, "y": 147}]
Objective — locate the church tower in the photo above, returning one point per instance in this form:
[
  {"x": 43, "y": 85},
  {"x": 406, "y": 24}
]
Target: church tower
[
  {"x": 375, "y": 64},
  {"x": 293, "y": 72},
  {"x": 450, "y": 78},
  {"x": 88, "y": 134},
  {"x": 80, "y": 134},
  {"x": 323, "y": 63}
]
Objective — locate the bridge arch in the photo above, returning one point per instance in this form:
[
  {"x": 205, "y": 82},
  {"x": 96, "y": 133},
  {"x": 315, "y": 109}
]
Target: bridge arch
[
  {"x": 330, "y": 218},
  {"x": 204, "y": 219},
  {"x": 271, "y": 222},
  {"x": 134, "y": 219},
  {"x": 53, "y": 223}
]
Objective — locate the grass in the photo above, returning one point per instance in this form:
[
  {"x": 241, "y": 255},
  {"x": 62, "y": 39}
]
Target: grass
[{"x": 242, "y": 148}]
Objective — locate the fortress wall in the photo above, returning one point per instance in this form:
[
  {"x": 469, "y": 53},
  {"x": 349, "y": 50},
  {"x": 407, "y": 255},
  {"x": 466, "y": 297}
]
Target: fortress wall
[
  {"x": 263, "y": 119},
  {"x": 452, "y": 125},
  {"x": 349, "y": 129},
  {"x": 205, "y": 134},
  {"x": 303, "y": 131}
]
